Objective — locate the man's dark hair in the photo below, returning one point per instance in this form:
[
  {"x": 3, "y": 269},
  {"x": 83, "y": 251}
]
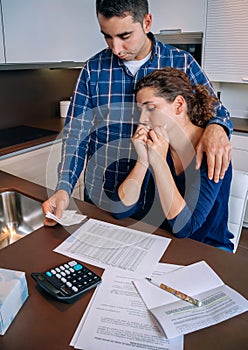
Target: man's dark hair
[{"x": 122, "y": 8}]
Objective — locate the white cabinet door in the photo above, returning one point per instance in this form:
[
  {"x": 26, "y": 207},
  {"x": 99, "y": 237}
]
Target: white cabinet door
[
  {"x": 226, "y": 44},
  {"x": 1, "y": 39},
  {"x": 50, "y": 30},
  {"x": 186, "y": 15}
]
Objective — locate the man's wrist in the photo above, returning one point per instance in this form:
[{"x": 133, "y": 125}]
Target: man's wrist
[{"x": 225, "y": 124}]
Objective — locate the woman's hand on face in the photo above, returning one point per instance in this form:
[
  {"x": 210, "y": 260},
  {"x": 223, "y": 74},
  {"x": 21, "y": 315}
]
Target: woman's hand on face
[
  {"x": 139, "y": 141},
  {"x": 158, "y": 145}
]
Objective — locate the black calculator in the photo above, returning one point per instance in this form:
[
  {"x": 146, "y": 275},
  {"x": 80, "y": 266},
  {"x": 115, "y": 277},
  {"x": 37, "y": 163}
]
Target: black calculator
[{"x": 67, "y": 282}]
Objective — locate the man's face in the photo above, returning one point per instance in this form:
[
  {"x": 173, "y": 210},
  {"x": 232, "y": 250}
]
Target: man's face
[{"x": 127, "y": 39}]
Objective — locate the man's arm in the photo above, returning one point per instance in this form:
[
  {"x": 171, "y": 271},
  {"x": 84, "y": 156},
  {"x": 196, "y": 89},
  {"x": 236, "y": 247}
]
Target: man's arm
[
  {"x": 74, "y": 146},
  {"x": 216, "y": 145},
  {"x": 75, "y": 135}
]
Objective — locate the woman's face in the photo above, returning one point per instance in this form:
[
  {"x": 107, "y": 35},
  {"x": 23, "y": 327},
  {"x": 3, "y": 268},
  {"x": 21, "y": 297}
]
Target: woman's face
[{"x": 155, "y": 110}]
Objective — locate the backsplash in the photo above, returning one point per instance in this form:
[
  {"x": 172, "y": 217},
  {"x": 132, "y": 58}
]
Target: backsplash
[
  {"x": 235, "y": 97},
  {"x": 33, "y": 94}
]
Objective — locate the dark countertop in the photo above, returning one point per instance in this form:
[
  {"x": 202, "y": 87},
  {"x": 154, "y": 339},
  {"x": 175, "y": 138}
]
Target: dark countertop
[
  {"x": 240, "y": 125},
  {"x": 57, "y": 124},
  {"x": 43, "y": 323}
]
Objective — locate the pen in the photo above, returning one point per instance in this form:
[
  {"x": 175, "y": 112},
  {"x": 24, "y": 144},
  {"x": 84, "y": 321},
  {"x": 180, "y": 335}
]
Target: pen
[{"x": 175, "y": 292}]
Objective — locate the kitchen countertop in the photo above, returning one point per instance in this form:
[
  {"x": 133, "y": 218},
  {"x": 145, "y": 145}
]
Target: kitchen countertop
[
  {"x": 240, "y": 125},
  {"x": 57, "y": 124},
  {"x": 43, "y": 323}
]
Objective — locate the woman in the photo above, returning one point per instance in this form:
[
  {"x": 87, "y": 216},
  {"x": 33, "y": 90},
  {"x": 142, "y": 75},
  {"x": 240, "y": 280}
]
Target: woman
[{"x": 173, "y": 116}]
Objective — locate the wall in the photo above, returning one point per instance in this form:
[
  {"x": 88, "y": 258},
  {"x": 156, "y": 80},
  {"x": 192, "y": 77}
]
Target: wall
[
  {"x": 190, "y": 16},
  {"x": 33, "y": 94}
]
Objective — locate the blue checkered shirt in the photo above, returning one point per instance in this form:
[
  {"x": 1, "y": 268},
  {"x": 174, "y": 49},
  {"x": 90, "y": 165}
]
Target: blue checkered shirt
[{"x": 103, "y": 116}]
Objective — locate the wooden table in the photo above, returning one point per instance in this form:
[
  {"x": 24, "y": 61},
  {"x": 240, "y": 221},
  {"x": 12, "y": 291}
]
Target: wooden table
[{"x": 45, "y": 324}]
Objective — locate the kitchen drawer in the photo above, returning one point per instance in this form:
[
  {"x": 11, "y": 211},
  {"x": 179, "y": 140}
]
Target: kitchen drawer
[
  {"x": 39, "y": 166},
  {"x": 240, "y": 141},
  {"x": 240, "y": 157},
  {"x": 240, "y": 151}
]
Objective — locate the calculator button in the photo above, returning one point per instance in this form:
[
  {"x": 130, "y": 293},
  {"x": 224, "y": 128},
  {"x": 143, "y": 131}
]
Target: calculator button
[
  {"x": 68, "y": 284},
  {"x": 67, "y": 272},
  {"x": 58, "y": 275},
  {"x": 72, "y": 263},
  {"x": 71, "y": 269},
  {"x": 48, "y": 273},
  {"x": 62, "y": 267},
  {"x": 66, "y": 266},
  {"x": 63, "y": 280},
  {"x": 78, "y": 267},
  {"x": 75, "y": 289}
]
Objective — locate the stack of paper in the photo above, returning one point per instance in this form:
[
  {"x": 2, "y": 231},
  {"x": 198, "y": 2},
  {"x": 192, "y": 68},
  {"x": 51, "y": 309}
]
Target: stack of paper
[
  {"x": 117, "y": 319},
  {"x": 177, "y": 317},
  {"x": 129, "y": 312}
]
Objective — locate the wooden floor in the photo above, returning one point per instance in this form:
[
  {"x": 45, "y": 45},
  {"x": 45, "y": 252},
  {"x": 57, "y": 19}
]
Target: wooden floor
[{"x": 243, "y": 243}]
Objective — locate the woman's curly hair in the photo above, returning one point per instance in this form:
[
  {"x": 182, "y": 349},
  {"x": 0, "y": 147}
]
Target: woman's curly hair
[{"x": 170, "y": 82}]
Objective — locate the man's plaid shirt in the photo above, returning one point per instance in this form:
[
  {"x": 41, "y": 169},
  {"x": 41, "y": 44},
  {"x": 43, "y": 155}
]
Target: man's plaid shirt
[{"x": 103, "y": 116}]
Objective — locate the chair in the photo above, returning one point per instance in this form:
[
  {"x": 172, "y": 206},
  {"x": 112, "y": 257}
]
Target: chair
[{"x": 237, "y": 204}]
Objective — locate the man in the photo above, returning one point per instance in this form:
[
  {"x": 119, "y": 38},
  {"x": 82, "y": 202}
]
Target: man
[{"x": 102, "y": 116}]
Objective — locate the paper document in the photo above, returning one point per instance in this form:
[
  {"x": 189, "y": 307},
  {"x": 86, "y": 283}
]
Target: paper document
[
  {"x": 177, "y": 317},
  {"x": 112, "y": 246},
  {"x": 117, "y": 319},
  {"x": 69, "y": 217}
]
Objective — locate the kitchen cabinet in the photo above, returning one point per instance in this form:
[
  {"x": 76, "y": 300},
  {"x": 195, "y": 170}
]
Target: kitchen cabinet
[
  {"x": 50, "y": 30},
  {"x": 186, "y": 15},
  {"x": 239, "y": 142},
  {"x": 239, "y": 157},
  {"x": 39, "y": 166},
  {"x": 2, "y": 60},
  {"x": 226, "y": 45}
]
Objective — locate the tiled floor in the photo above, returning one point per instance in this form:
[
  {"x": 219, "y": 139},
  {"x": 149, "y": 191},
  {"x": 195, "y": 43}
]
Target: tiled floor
[{"x": 243, "y": 243}]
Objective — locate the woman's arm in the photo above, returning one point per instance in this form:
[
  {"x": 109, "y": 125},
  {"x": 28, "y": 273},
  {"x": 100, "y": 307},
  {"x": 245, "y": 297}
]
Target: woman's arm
[
  {"x": 171, "y": 200},
  {"x": 129, "y": 190}
]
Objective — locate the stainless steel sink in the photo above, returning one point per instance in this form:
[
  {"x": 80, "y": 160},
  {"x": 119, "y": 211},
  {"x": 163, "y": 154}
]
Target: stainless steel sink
[{"x": 19, "y": 216}]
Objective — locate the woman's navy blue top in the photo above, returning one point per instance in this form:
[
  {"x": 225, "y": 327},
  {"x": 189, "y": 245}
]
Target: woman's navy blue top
[{"x": 205, "y": 215}]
